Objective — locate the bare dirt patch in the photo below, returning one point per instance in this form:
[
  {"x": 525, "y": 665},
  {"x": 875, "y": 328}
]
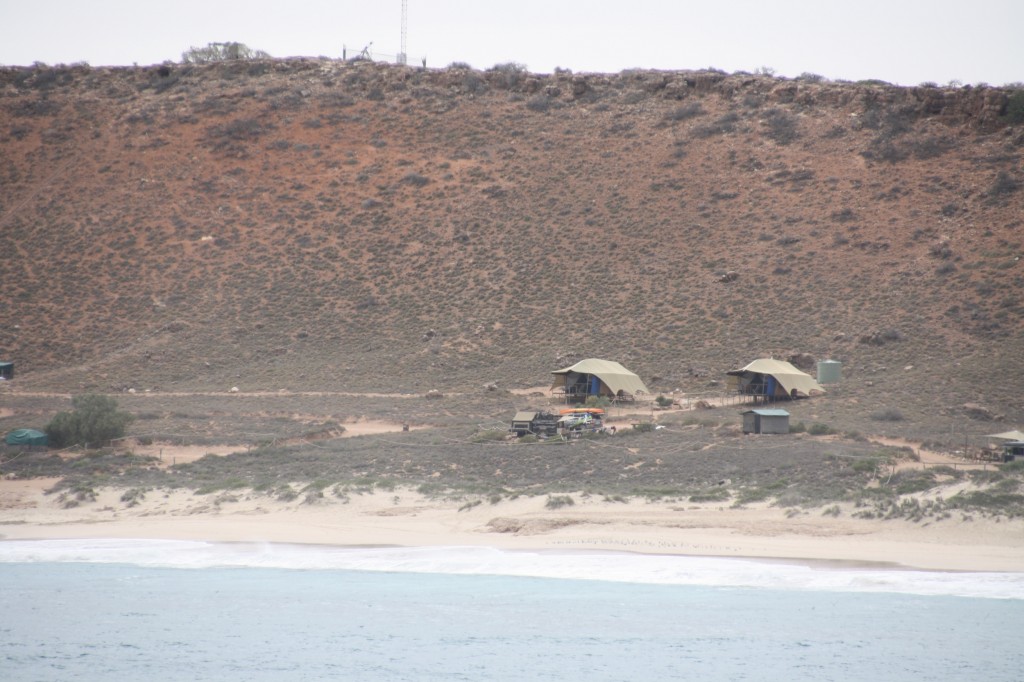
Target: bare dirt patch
[{"x": 169, "y": 454}]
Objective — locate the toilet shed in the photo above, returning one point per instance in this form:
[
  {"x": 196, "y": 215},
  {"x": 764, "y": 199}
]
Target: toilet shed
[{"x": 765, "y": 421}]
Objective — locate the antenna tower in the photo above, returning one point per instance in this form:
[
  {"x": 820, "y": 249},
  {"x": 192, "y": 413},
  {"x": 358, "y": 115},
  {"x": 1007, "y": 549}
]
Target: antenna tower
[{"x": 405, "y": 19}]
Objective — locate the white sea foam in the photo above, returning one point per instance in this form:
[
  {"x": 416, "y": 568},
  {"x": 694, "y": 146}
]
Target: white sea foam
[{"x": 616, "y": 567}]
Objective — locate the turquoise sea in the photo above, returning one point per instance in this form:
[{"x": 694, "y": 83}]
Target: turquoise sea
[{"x": 169, "y": 610}]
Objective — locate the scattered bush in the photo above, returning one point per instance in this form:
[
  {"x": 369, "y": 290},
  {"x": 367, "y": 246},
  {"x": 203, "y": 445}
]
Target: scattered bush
[
  {"x": 540, "y": 103},
  {"x": 686, "y": 111},
  {"x": 1015, "y": 107},
  {"x": 782, "y": 126},
  {"x": 1003, "y": 185},
  {"x": 721, "y": 126},
  {"x": 415, "y": 179},
  {"x": 889, "y": 414},
  {"x": 94, "y": 421},
  {"x": 559, "y": 501},
  {"x": 868, "y": 465},
  {"x": 221, "y": 52},
  {"x": 808, "y": 77},
  {"x": 719, "y": 494},
  {"x": 489, "y": 436},
  {"x": 509, "y": 75},
  {"x": 133, "y": 496}
]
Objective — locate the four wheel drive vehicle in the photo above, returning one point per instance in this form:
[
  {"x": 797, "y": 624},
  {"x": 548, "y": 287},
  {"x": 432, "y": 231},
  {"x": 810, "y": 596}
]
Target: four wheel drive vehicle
[
  {"x": 536, "y": 423},
  {"x": 576, "y": 419}
]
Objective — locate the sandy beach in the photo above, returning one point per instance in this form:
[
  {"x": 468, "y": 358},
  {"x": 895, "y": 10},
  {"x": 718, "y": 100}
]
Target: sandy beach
[{"x": 406, "y": 518}]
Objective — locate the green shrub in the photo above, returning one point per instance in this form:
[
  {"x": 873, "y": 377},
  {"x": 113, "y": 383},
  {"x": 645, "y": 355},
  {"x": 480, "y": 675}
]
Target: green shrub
[
  {"x": 1003, "y": 185},
  {"x": 1015, "y": 107},
  {"x": 540, "y": 103},
  {"x": 509, "y": 74},
  {"x": 719, "y": 494},
  {"x": 489, "y": 436},
  {"x": 221, "y": 52},
  {"x": 781, "y": 126},
  {"x": 685, "y": 112},
  {"x": 868, "y": 465},
  {"x": 133, "y": 496},
  {"x": 664, "y": 401},
  {"x": 819, "y": 429},
  {"x": 95, "y": 420},
  {"x": 557, "y": 501},
  {"x": 909, "y": 482}
]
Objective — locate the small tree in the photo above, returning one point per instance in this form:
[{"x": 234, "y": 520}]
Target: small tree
[
  {"x": 1015, "y": 106},
  {"x": 221, "y": 52},
  {"x": 95, "y": 420}
]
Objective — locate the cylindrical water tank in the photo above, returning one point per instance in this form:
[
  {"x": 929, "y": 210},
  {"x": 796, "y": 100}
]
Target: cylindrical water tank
[{"x": 829, "y": 371}]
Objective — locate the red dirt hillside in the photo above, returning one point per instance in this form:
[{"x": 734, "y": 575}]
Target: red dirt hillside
[{"x": 323, "y": 225}]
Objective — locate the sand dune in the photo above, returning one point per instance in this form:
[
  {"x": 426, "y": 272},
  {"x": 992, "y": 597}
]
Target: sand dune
[{"x": 402, "y": 517}]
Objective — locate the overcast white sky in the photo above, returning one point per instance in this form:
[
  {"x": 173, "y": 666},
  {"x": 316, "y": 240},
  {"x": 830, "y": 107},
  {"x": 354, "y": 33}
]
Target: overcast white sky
[{"x": 906, "y": 42}]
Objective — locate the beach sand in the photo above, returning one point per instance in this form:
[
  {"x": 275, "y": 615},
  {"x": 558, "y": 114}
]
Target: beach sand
[{"x": 406, "y": 518}]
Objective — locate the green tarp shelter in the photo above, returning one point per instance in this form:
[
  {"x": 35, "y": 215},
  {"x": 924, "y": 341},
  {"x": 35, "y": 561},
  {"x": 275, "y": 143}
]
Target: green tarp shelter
[{"x": 26, "y": 437}]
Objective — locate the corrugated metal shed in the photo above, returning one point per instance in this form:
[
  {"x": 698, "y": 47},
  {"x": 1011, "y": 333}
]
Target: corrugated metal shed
[{"x": 765, "y": 421}]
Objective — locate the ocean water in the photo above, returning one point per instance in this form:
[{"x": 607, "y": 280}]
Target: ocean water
[{"x": 168, "y": 610}]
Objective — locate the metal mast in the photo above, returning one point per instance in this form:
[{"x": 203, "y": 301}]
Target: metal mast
[{"x": 405, "y": 14}]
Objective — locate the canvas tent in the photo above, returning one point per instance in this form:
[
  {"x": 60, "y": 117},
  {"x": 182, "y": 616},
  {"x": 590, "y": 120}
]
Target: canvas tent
[
  {"x": 773, "y": 380},
  {"x": 26, "y": 437},
  {"x": 598, "y": 378},
  {"x": 1013, "y": 450},
  {"x": 1008, "y": 435}
]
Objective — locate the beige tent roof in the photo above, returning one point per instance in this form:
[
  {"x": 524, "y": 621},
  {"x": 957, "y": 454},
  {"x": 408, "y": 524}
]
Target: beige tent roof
[
  {"x": 615, "y": 376},
  {"x": 786, "y": 374},
  {"x": 1008, "y": 435}
]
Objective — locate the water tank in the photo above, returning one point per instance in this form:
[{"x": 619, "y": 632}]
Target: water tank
[{"x": 829, "y": 371}]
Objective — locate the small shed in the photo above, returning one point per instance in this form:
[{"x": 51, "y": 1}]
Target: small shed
[
  {"x": 765, "y": 421},
  {"x": 6, "y": 370}
]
